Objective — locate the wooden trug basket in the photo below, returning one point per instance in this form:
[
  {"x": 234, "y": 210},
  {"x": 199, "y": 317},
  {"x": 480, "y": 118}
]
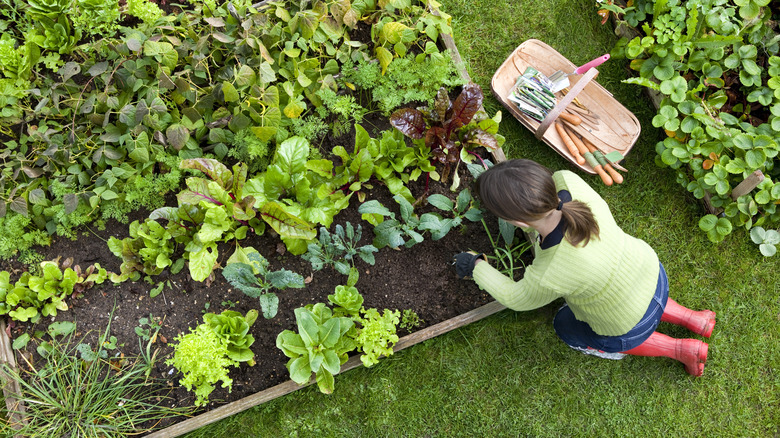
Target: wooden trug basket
[{"x": 616, "y": 130}]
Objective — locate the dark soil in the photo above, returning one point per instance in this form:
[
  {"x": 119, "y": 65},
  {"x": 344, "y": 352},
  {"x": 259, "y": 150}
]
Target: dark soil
[{"x": 420, "y": 278}]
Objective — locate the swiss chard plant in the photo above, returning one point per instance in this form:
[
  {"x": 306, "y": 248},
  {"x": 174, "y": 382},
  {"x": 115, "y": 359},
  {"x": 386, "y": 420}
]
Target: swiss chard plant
[
  {"x": 452, "y": 130},
  {"x": 249, "y": 272},
  {"x": 295, "y": 192}
]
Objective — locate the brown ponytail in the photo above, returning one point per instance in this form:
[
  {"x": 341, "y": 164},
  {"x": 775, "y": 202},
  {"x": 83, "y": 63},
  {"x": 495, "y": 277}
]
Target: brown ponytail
[{"x": 523, "y": 190}]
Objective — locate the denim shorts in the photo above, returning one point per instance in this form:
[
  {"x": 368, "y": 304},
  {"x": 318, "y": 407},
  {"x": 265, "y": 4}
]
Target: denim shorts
[{"x": 578, "y": 334}]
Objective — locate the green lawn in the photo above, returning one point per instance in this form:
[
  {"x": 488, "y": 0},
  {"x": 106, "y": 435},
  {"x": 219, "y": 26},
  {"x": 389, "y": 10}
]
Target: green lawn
[{"x": 509, "y": 375}]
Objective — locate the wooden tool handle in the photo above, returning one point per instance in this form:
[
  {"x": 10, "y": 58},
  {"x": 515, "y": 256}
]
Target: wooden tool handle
[
  {"x": 569, "y": 144},
  {"x": 588, "y": 154},
  {"x": 613, "y": 175},
  {"x": 570, "y": 118}
]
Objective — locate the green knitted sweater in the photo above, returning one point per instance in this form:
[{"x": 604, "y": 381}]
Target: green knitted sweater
[{"x": 608, "y": 283}]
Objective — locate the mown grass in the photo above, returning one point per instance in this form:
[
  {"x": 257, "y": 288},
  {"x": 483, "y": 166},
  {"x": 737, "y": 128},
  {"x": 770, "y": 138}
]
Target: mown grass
[{"x": 509, "y": 375}]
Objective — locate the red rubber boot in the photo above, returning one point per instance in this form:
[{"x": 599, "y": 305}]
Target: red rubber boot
[
  {"x": 701, "y": 322},
  {"x": 691, "y": 352}
]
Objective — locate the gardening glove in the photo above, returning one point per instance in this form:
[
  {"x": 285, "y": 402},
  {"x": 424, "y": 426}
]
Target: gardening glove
[{"x": 464, "y": 263}]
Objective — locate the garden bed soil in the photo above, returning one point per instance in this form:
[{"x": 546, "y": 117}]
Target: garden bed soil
[{"x": 421, "y": 279}]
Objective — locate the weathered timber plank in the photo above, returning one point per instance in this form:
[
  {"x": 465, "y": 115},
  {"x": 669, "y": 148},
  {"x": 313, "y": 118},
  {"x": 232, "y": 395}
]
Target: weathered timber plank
[
  {"x": 747, "y": 185},
  {"x": 11, "y": 389},
  {"x": 290, "y": 386}
]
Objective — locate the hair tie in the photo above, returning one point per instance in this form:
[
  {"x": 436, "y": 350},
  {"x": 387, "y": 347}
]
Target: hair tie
[{"x": 560, "y": 205}]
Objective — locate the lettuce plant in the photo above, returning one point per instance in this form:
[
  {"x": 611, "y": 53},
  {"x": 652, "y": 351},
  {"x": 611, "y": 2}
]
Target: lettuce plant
[
  {"x": 233, "y": 329},
  {"x": 148, "y": 250},
  {"x": 33, "y": 296},
  {"x": 377, "y": 334},
  {"x": 202, "y": 357},
  {"x": 347, "y": 301},
  {"x": 320, "y": 346}
]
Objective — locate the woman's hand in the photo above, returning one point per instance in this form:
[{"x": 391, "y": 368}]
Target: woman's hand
[{"x": 465, "y": 262}]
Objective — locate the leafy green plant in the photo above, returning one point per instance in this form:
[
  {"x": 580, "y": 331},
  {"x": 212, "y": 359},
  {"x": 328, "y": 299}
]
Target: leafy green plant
[
  {"x": 147, "y": 251},
  {"x": 96, "y": 17},
  {"x": 506, "y": 257},
  {"x": 766, "y": 240},
  {"x": 55, "y": 35},
  {"x": 204, "y": 355},
  {"x": 339, "y": 249},
  {"x": 713, "y": 63},
  {"x": 376, "y": 334},
  {"x": 347, "y": 301},
  {"x": 147, "y": 11},
  {"x": 319, "y": 347},
  {"x": 410, "y": 320},
  {"x": 295, "y": 193},
  {"x": 450, "y": 129},
  {"x": 33, "y": 296},
  {"x": 249, "y": 272},
  {"x": 233, "y": 329},
  {"x": 388, "y": 230},
  {"x": 462, "y": 208},
  {"x": 344, "y": 108},
  {"x": 67, "y": 396}
]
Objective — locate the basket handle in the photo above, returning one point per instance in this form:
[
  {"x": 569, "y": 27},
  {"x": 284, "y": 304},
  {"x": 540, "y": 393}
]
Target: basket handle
[{"x": 563, "y": 103}]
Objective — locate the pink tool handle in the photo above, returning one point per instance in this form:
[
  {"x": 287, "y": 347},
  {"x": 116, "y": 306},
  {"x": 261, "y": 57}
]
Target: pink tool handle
[{"x": 595, "y": 63}]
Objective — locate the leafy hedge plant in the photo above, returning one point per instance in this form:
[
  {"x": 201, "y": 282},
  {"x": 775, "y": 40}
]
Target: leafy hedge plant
[{"x": 715, "y": 64}]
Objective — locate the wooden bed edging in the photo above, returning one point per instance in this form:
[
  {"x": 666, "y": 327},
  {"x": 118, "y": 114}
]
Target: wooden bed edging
[{"x": 290, "y": 386}]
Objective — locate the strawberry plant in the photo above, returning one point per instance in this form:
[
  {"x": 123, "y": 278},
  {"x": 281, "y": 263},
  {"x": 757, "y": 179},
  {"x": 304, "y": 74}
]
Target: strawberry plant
[{"x": 713, "y": 63}]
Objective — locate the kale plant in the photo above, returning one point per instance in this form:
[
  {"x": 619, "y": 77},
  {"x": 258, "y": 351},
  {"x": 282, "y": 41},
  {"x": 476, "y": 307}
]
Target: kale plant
[
  {"x": 339, "y": 249},
  {"x": 248, "y": 272}
]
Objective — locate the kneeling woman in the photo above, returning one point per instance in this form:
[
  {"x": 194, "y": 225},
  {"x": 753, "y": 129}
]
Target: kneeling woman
[{"x": 616, "y": 290}]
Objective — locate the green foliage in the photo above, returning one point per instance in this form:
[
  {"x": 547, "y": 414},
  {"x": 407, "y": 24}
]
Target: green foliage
[
  {"x": 388, "y": 230},
  {"x": 451, "y": 130},
  {"x": 408, "y": 79},
  {"x": 340, "y": 250},
  {"x": 319, "y": 347},
  {"x": 147, "y": 251},
  {"x": 766, "y": 240},
  {"x": 714, "y": 63},
  {"x": 56, "y": 35},
  {"x": 233, "y": 329},
  {"x": 34, "y": 296},
  {"x": 96, "y": 17},
  {"x": 462, "y": 208},
  {"x": 202, "y": 357},
  {"x": 343, "y": 107},
  {"x": 68, "y": 396},
  {"x": 48, "y": 8},
  {"x": 249, "y": 272},
  {"x": 507, "y": 256},
  {"x": 410, "y": 320},
  {"x": 17, "y": 62},
  {"x": 14, "y": 236},
  {"x": 248, "y": 148},
  {"x": 377, "y": 335}
]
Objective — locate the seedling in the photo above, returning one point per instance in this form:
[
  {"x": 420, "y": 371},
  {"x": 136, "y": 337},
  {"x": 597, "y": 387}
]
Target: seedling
[
  {"x": 339, "y": 250},
  {"x": 438, "y": 225}
]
